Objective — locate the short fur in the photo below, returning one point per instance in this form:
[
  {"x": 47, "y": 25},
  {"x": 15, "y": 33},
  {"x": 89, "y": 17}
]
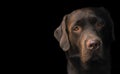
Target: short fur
[{"x": 74, "y": 35}]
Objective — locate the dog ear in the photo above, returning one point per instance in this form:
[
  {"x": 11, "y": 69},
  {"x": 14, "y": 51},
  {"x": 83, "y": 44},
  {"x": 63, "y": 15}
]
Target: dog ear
[
  {"x": 107, "y": 14},
  {"x": 61, "y": 35}
]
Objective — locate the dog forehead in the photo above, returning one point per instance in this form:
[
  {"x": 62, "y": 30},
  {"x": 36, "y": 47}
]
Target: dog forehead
[{"x": 79, "y": 14}]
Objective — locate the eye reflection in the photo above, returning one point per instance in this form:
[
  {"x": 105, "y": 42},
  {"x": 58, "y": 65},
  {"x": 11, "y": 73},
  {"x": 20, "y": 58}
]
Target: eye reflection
[
  {"x": 99, "y": 26},
  {"x": 76, "y": 28}
]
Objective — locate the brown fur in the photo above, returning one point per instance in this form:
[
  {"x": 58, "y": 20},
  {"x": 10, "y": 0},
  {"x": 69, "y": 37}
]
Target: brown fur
[{"x": 75, "y": 33}]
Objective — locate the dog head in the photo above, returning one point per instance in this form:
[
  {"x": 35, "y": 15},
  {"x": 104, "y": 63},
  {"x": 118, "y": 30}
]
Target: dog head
[{"x": 86, "y": 33}]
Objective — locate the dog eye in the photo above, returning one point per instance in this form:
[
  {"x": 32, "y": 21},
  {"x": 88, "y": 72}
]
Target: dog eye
[
  {"x": 100, "y": 23},
  {"x": 99, "y": 26},
  {"x": 76, "y": 28}
]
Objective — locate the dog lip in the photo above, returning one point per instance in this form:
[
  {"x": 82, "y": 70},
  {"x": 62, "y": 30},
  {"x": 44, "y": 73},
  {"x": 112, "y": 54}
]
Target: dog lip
[
  {"x": 76, "y": 55},
  {"x": 96, "y": 57}
]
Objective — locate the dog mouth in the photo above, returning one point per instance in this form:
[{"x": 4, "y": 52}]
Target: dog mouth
[{"x": 95, "y": 60}]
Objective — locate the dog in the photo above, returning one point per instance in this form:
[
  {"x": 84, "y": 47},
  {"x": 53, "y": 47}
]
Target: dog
[{"x": 85, "y": 35}]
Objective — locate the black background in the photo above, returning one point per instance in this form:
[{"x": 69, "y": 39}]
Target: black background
[{"x": 35, "y": 48}]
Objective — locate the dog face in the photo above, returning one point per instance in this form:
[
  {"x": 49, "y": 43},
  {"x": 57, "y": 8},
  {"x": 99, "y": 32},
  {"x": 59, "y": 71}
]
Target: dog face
[{"x": 86, "y": 33}]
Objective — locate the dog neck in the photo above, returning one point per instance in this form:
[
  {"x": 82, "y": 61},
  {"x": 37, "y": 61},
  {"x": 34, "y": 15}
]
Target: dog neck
[
  {"x": 71, "y": 69},
  {"x": 75, "y": 67}
]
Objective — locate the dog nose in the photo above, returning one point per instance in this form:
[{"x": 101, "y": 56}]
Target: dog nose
[{"x": 93, "y": 44}]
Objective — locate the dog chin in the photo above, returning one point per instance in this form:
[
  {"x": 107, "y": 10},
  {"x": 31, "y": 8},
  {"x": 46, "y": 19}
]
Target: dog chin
[{"x": 95, "y": 61}]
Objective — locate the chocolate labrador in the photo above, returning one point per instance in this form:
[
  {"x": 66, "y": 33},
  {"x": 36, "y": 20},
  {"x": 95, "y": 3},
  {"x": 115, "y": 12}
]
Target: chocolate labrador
[{"x": 86, "y": 35}]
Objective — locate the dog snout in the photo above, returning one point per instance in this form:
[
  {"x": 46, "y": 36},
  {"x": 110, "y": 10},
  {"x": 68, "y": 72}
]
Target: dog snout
[{"x": 93, "y": 44}]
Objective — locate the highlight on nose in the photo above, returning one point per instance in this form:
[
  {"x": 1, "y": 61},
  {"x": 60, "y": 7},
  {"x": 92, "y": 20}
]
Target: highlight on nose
[{"x": 93, "y": 44}]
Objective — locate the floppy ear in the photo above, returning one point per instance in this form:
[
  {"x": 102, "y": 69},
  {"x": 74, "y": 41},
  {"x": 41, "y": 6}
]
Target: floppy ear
[
  {"x": 109, "y": 20},
  {"x": 61, "y": 35}
]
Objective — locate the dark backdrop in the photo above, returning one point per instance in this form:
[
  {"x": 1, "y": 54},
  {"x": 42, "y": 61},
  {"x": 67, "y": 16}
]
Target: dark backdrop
[{"x": 38, "y": 51}]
